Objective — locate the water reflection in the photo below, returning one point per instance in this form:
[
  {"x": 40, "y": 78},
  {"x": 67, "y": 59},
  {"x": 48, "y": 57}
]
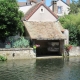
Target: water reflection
[
  {"x": 49, "y": 68},
  {"x": 17, "y": 69},
  {"x": 43, "y": 69}
]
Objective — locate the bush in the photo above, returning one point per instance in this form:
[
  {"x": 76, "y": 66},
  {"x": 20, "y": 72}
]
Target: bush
[
  {"x": 72, "y": 23},
  {"x": 2, "y": 58},
  {"x": 21, "y": 43},
  {"x": 68, "y": 47}
]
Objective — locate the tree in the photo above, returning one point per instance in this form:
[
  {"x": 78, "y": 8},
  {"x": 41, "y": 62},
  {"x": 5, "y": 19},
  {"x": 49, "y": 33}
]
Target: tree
[
  {"x": 74, "y": 7},
  {"x": 78, "y": 3},
  {"x": 72, "y": 23},
  {"x": 10, "y": 19}
]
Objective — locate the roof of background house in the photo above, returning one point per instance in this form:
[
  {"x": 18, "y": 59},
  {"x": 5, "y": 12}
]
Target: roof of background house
[
  {"x": 65, "y": 2},
  {"x": 21, "y": 4},
  {"x": 25, "y": 3},
  {"x": 43, "y": 30},
  {"x": 32, "y": 10}
]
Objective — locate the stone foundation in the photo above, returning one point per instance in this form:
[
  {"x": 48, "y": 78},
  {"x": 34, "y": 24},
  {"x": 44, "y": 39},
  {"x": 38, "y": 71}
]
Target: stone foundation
[
  {"x": 28, "y": 53},
  {"x": 18, "y": 53}
]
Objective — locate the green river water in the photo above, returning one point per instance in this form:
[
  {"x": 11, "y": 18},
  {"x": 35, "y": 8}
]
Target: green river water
[{"x": 41, "y": 69}]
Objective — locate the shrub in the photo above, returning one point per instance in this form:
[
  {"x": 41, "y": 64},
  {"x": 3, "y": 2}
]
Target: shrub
[
  {"x": 72, "y": 23},
  {"x": 21, "y": 42},
  {"x": 2, "y": 58},
  {"x": 68, "y": 47}
]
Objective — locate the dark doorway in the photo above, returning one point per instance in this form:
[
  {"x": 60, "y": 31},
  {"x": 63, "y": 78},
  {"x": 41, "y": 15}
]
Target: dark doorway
[
  {"x": 45, "y": 52},
  {"x": 48, "y": 48}
]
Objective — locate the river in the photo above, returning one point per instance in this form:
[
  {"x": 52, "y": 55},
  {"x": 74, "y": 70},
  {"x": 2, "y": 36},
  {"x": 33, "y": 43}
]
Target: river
[{"x": 41, "y": 69}]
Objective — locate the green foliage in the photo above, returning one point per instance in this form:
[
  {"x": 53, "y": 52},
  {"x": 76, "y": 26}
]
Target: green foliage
[
  {"x": 75, "y": 7},
  {"x": 67, "y": 46},
  {"x": 10, "y": 18},
  {"x": 34, "y": 46},
  {"x": 73, "y": 34},
  {"x": 21, "y": 42},
  {"x": 72, "y": 23},
  {"x": 2, "y": 58},
  {"x": 78, "y": 3}
]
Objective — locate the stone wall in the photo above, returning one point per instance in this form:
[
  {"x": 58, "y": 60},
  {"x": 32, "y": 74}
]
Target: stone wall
[
  {"x": 75, "y": 51},
  {"x": 18, "y": 53}
]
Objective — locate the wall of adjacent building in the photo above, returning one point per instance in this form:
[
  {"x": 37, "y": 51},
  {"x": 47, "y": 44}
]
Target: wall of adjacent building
[
  {"x": 66, "y": 33},
  {"x": 65, "y": 8}
]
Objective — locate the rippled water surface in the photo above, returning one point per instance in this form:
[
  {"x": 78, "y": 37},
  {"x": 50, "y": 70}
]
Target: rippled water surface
[{"x": 43, "y": 69}]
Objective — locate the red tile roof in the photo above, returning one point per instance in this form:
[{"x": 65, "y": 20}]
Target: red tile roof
[{"x": 35, "y": 8}]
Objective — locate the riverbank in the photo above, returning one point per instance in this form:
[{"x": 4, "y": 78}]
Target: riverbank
[
  {"x": 18, "y": 53},
  {"x": 29, "y": 53}
]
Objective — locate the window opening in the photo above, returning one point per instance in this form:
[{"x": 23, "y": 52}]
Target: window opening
[{"x": 59, "y": 9}]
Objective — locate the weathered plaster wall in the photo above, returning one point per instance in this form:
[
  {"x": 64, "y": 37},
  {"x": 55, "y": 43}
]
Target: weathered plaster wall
[
  {"x": 26, "y": 53},
  {"x": 66, "y": 33},
  {"x": 75, "y": 51},
  {"x": 44, "y": 16}
]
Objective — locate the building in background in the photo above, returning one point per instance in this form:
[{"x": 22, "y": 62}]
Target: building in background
[
  {"x": 60, "y": 7},
  {"x": 25, "y": 6}
]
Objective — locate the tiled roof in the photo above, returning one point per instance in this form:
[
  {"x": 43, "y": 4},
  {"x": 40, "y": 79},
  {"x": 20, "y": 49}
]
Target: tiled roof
[
  {"x": 22, "y": 4},
  {"x": 43, "y": 30},
  {"x": 58, "y": 24},
  {"x": 25, "y": 3},
  {"x": 32, "y": 10}
]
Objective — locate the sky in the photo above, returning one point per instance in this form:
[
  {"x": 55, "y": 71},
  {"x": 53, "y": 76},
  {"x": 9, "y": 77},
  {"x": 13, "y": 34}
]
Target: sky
[{"x": 48, "y": 2}]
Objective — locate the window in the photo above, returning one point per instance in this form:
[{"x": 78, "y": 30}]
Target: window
[
  {"x": 59, "y": 9},
  {"x": 41, "y": 10}
]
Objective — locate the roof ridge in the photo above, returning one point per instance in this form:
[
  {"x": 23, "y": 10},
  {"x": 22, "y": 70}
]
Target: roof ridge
[{"x": 34, "y": 8}]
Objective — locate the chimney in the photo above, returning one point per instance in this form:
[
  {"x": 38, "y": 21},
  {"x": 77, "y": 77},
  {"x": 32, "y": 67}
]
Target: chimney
[
  {"x": 43, "y": 1},
  {"x": 54, "y": 6},
  {"x": 68, "y": 2}
]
